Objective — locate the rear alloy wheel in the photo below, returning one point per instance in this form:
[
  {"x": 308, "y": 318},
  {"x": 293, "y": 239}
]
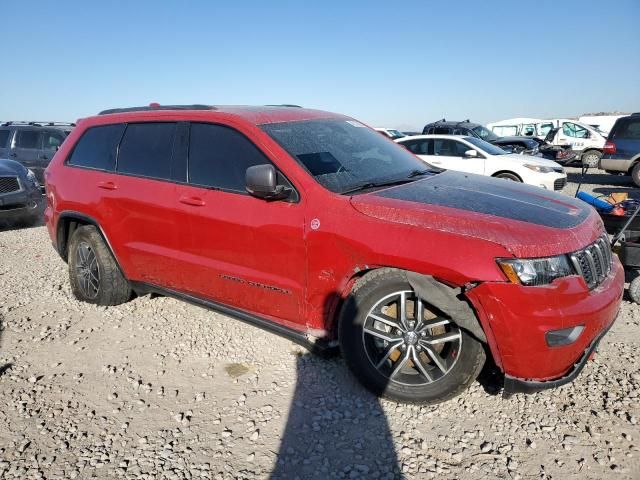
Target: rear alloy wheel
[
  {"x": 400, "y": 347},
  {"x": 509, "y": 176},
  {"x": 94, "y": 274}
]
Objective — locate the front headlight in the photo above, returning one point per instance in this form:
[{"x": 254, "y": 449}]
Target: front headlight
[
  {"x": 539, "y": 168},
  {"x": 32, "y": 177},
  {"x": 538, "y": 271}
]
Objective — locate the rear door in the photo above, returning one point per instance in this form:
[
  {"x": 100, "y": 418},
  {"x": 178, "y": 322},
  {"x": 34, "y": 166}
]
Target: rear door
[
  {"x": 5, "y": 139},
  {"x": 27, "y": 146},
  {"x": 237, "y": 249},
  {"x": 139, "y": 202}
]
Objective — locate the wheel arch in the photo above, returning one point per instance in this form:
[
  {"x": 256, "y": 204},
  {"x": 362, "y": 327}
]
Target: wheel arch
[
  {"x": 68, "y": 222},
  {"x": 510, "y": 172},
  {"x": 446, "y": 298}
]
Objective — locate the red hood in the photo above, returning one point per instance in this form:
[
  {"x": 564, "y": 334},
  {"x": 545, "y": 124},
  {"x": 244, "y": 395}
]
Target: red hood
[{"x": 527, "y": 221}]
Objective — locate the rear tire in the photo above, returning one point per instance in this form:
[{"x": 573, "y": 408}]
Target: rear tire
[
  {"x": 591, "y": 158},
  {"x": 419, "y": 364},
  {"x": 509, "y": 176},
  {"x": 93, "y": 272},
  {"x": 635, "y": 174}
]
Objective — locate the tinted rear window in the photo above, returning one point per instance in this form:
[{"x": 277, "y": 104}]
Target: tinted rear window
[
  {"x": 628, "y": 129},
  {"x": 146, "y": 150},
  {"x": 4, "y": 137},
  {"x": 97, "y": 147},
  {"x": 219, "y": 157},
  {"x": 28, "y": 139}
]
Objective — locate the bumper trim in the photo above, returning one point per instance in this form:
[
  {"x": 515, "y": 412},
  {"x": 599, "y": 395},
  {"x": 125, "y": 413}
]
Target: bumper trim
[{"x": 518, "y": 385}]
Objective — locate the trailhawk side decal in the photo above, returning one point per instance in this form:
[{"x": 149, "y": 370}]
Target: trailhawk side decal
[{"x": 255, "y": 284}]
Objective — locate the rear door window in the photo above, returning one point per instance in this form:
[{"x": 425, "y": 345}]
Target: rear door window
[
  {"x": 146, "y": 150},
  {"x": 419, "y": 147},
  {"x": 4, "y": 137},
  {"x": 97, "y": 147},
  {"x": 29, "y": 139},
  {"x": 219, "y": 157}
]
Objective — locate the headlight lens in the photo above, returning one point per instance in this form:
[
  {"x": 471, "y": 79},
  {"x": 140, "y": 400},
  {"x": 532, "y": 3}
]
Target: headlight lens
[
  {"x": 539, "y": 168},
  {"x": 538, "y": 271},
  {"x": 32, "y": 177}
]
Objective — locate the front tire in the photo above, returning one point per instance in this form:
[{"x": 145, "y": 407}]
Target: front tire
[
  {"x": 400, "y": 347},
  {"x": 93, "y": 272},
  {"x": 634, "y": 289},
  {"x": 635, "y": 174}
]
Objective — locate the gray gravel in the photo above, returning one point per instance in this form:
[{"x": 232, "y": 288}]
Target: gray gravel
[{"x": 160, "y": 389}]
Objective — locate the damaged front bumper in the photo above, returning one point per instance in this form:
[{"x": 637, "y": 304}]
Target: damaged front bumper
[{"x": 530, "y": 330}]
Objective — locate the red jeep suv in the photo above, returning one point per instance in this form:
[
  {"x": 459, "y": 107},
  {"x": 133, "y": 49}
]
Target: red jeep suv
[{"x": 314, "y": 226}]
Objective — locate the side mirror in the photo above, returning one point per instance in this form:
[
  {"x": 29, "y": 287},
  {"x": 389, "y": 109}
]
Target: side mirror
[
  {"x": 470, "y": 154},
  {"x": 262, "y": 182}
]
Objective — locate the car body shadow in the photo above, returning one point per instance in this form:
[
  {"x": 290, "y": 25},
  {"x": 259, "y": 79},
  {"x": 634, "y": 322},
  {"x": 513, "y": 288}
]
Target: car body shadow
[{"x": 600, "y": 179}]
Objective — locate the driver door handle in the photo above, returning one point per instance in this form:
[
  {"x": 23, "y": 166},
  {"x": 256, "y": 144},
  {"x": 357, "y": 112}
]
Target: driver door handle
[
  {"x": 193, "y": 201},
  {"x": 107, "y": 185}
]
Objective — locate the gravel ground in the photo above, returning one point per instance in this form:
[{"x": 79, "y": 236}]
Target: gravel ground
[{"x": 160, "y": 389}]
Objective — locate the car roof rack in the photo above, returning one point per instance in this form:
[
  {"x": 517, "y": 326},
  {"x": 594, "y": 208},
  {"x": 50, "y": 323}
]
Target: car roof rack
[
  {"x": 464, "y": 121},
  {"x": 38, "y": 124},
  {"x": 157, "y": 106},
  {"x": 290, "y": 105}
]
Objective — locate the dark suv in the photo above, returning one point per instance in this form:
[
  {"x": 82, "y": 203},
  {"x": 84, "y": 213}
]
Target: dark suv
[
  {"x": 622, "y": 150},
  {"x": 32, "y": 144},
  {"x": 314, "y": 226}
]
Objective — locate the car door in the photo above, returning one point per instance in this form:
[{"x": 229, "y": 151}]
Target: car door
[
  {"x": 450, "y": 154},
  {"x": 573, "y": 134},
  {"x": 238, "y": 250},
  {"x": 138, "y": 202},
  {"x": 27, "y": 146},
  {"x": 5, "y": 142}
]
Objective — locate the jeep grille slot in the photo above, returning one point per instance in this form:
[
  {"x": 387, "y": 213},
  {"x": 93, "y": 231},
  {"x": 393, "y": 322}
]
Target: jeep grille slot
[{"x": 593, "y": 262}]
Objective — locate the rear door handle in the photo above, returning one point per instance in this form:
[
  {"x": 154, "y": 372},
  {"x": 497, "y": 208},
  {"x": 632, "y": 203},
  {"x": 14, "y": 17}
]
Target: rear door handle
[
  {"x": 107, "y": 185},
  {"x": 194, "y": 201}
]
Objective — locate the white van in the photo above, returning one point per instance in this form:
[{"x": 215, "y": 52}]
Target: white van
[
  {"x": 585, "y": 140},
  {"x": 604, "y": 123},
  {"x": 528, "y": 127}
]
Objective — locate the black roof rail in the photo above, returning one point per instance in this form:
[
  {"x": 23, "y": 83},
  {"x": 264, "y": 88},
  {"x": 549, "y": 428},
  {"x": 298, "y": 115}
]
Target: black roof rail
[
  {"x": 38, "y": 124},
  {"x": 155, "y": 106},
  {"x": 291, "y": 105}
]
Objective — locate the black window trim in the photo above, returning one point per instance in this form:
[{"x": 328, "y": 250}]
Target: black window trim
[{"x": 294, "y": 198}]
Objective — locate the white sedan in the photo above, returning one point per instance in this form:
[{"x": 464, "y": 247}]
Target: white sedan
[{"x": 470, "y": 154}]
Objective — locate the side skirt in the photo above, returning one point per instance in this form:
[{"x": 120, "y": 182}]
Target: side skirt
[{"x": 313, "y": 344}]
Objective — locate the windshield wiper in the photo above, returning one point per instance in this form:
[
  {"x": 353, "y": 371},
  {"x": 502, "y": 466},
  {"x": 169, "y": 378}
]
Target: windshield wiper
[{"x": 388, "y": 183}]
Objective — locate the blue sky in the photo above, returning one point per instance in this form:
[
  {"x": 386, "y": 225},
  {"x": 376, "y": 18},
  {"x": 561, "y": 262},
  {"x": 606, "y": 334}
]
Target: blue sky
[{"x": 398, "y": 64}]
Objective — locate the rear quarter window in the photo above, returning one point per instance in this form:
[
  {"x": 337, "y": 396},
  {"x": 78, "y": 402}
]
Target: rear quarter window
[{"x": 97, "y": 147}]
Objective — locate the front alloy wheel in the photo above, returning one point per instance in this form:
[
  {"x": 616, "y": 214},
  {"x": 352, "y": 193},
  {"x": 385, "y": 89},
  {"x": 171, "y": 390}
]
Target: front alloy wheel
[
  {"x": 408, "y": 343},
  {"x": 400, "y": 347}
]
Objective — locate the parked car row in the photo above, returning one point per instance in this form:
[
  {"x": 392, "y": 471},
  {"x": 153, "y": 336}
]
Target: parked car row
[
  {"x": 622, "y": 149},
  {"x": 473, "y": 155}
]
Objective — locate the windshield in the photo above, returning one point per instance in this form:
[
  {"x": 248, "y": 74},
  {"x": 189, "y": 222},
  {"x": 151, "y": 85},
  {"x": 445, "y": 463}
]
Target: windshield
[
  {"x": 485, "y": 146},
  {"x": 344, "y": 154},
  {"x": 484, "y": 133},
  {"x": 396, "y": 134}
]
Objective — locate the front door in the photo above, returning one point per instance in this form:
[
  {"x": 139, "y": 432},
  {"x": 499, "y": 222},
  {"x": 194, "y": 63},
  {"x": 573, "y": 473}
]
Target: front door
[
  {"x": 450, "y": 154},
  {"x": 236, "y": 249}
]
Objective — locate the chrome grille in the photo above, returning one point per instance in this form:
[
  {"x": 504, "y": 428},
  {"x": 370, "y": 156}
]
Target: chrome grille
[
  {"x": 9, "y": 184},
  {"x": 593, "y": 262},
  {"x": 559, "y": 183}
]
